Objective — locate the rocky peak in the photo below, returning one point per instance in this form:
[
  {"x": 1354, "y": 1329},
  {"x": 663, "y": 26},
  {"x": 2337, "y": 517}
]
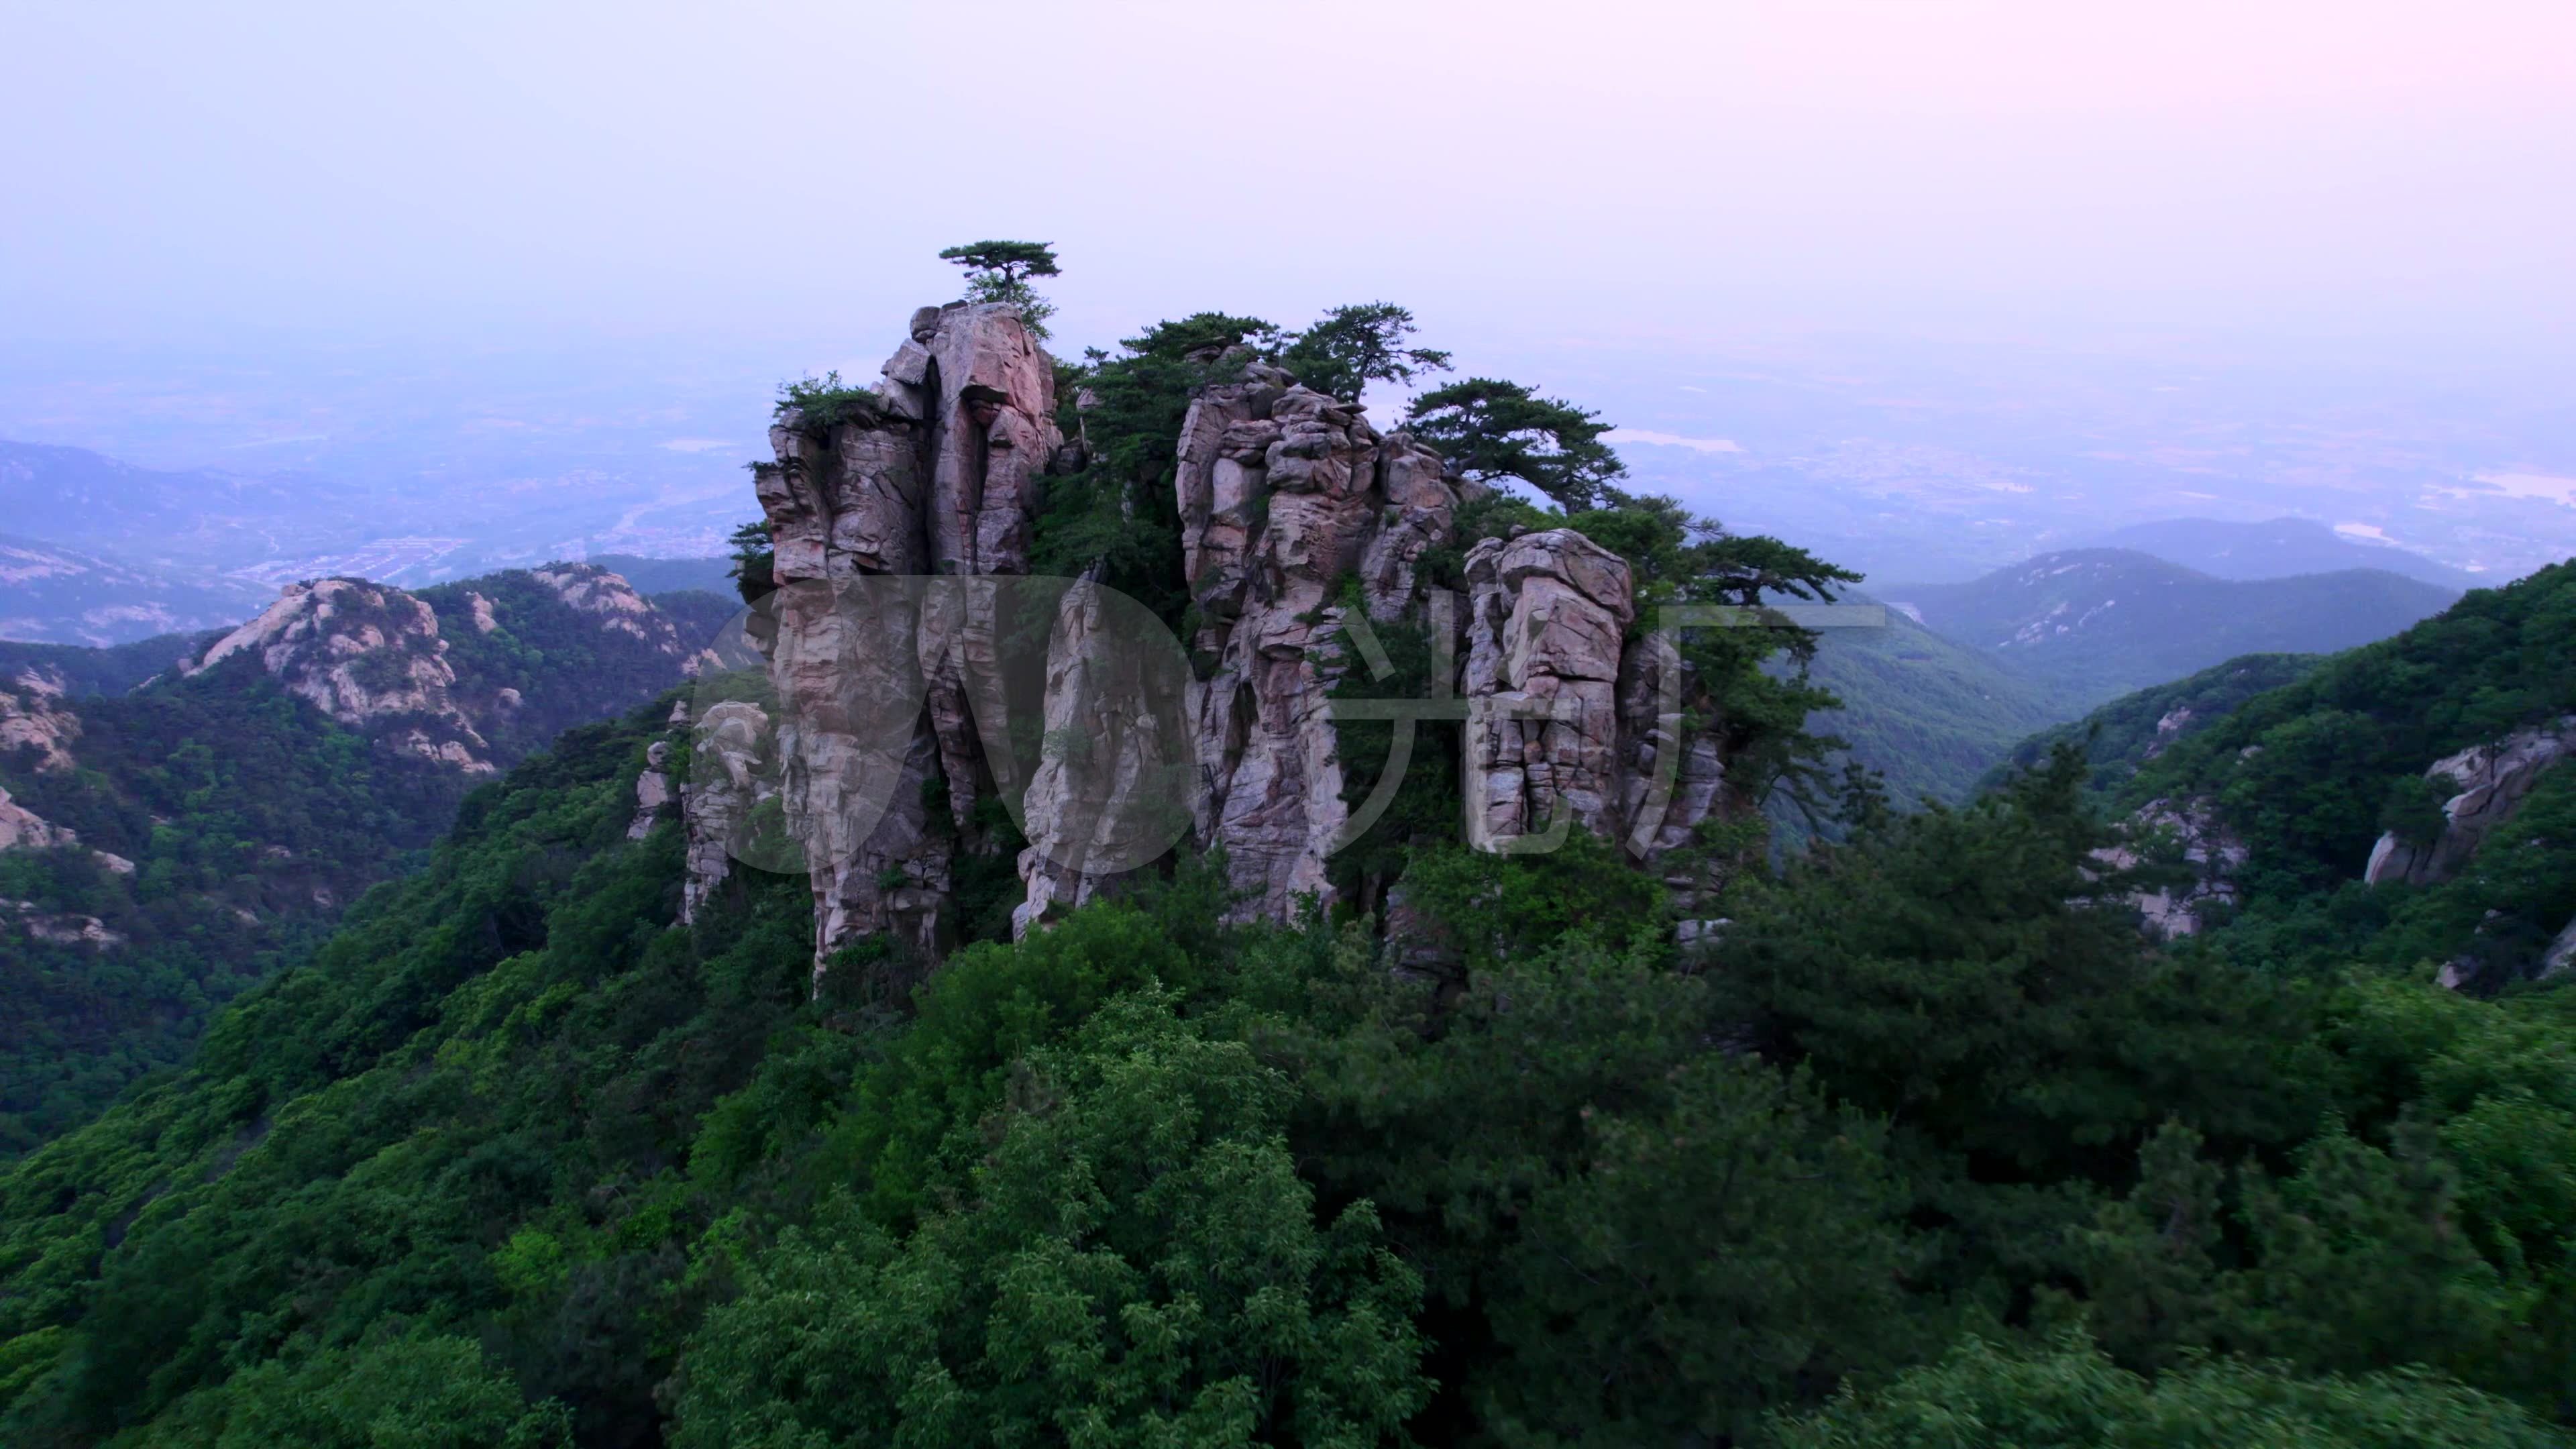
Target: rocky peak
[
  {"x": 936, "y": 474},
  {"x": 607, "y": 599},
  {"x": 369, "y": 656},
  {"x": 1303, "y": 529}
]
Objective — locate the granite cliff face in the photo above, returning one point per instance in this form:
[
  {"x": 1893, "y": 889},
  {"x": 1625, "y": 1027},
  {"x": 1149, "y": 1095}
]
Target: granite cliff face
[
  {"x": 1303, "y": 531},
  {"x": 2491, "y": 781}
]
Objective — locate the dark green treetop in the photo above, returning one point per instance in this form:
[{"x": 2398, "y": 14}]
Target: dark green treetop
[
  {"x": 1353, "y": 346},
  {"x": 999, "y": 271},
  {"x": 1490, "y": 428}
]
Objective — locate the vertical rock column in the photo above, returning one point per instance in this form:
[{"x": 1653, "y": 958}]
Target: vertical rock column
[
  {"x": 875, "y": 676},
  {"x": 1283, "y": 493},
  {"x": 1547, "y": 617}
]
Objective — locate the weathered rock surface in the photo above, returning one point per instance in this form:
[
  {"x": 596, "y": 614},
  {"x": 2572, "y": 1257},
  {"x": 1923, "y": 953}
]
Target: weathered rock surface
[
  {"x": 369, "y": 656},
  {"x": 730, "y": 776},
  {"x": 653, "y": 792},
  {"x": 608, "y": 599},
  {"x": 2492, "y": 780},
  {"x": 885, "y": 691},
  {"x": 32, "y": 717},
  {"x": 2561, "y": 955},
  {"x": 1109, "y": 791},
  {"x": 60, "y": 929},
  {"x": 1282, "y": 491},
  {"x": 1303, "y": 531},
  {"x": 1547, "y": 614}
]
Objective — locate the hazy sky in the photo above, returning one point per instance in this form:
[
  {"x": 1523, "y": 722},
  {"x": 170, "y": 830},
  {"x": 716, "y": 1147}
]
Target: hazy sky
[{"x": 2400, "y": 175}]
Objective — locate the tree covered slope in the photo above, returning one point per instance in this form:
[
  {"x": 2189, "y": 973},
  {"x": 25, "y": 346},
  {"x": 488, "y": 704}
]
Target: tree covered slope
[
  {"x": 195, "y": 833},
  {"x": 514, "y": 1161}
]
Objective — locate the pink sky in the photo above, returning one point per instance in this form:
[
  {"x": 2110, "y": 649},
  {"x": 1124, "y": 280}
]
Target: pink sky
[{"x": 2383, "y": 171}]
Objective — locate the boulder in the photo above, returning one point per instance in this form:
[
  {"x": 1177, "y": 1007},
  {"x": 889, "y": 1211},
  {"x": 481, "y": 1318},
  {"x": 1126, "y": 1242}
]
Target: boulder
[{"x": 2491, "y": 780}]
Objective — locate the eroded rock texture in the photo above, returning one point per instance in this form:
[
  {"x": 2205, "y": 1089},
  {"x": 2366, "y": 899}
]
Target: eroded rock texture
[
  {"x": 731, "y": 773},
  {"x": 2492, "y": 780},
  {"x": 883, "y": 688},
  {"x": 1547, "y": 615},
  {"x": 1303, "y": 531},
  {"x": 369, "y": 656},
  {"x": 1284, "y": 491}
]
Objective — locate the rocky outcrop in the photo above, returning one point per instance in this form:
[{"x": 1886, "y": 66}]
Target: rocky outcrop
[
  {"x": 902, "y": 518},
  {"x": 1282, "y": 492},
  {"x": 884, "y": 690},
  {"x": 32, "y": 717},
  {"x": 58, "y": 928},
  {"x": 1547, "y": 617},
  {"x": 653, "y": 792},
  {"x": 369, "y": 656},
  {"x": 2212, "y": 854},
  {"x": 2560, "y": 958},
  {"x": 731, "y": 774},
  {"x": 608, "y": 600},
  {"x": 23, "y": 829},
  {"x": 1113, "y": 777},
  {"x": 2492, "y": 780}
]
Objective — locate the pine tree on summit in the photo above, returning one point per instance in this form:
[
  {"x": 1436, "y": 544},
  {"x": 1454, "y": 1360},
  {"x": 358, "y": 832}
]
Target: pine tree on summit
[{"x": 999, "y": 271}]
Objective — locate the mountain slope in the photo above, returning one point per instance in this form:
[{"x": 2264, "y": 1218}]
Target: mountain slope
[
  {"x": 59, "y": 596},
  {"x": 1929, "y": 715},
  {"x": 2277, "y": 548},
  {"x": 2102, "y": 622},
  {"x": 172, "y": 845},
  {"x": 2119, "y": 738}
]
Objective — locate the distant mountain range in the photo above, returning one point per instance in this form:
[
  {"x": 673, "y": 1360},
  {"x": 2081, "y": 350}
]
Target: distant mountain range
[
  {"x": 103, "y": 552},
  {"x": 2277, "y": 548},
  {"x": 2097, "y": 623},
  {"x": 1929, "y": 714}
]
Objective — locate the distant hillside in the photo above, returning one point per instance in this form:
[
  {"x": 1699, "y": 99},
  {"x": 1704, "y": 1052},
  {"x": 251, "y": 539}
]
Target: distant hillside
[
  {"x": 58, "y": 595},
  {"x": 2099, "y": 623},
  {"x": 2277, "y": 548},
  {"x": 2305, "y": 780},
  {"x": 1930, "y": 715},
  {"x": 670, "y": 575},
  {"x": 77, "y": 669},
  {"x": 2122, "y": 736},
  {"x": 164, "y": 847}
]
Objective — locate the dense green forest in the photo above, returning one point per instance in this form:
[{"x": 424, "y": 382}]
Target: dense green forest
[
  {"x": 514, "y": 1162},
  {"x": 1928, "y": 1146},
  {"x": 251, "y": 820},
  {"x": 2309, "y": 775}
]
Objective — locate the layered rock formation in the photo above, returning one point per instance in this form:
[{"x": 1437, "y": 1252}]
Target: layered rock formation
[
  {"x": 2492, "y": 780},
  {"x": 1547, "y": 615},
  {"x": 879, "y": 682},
  {"x": 906, "y": 515},
  {"x": 1282, "y": 492}
]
